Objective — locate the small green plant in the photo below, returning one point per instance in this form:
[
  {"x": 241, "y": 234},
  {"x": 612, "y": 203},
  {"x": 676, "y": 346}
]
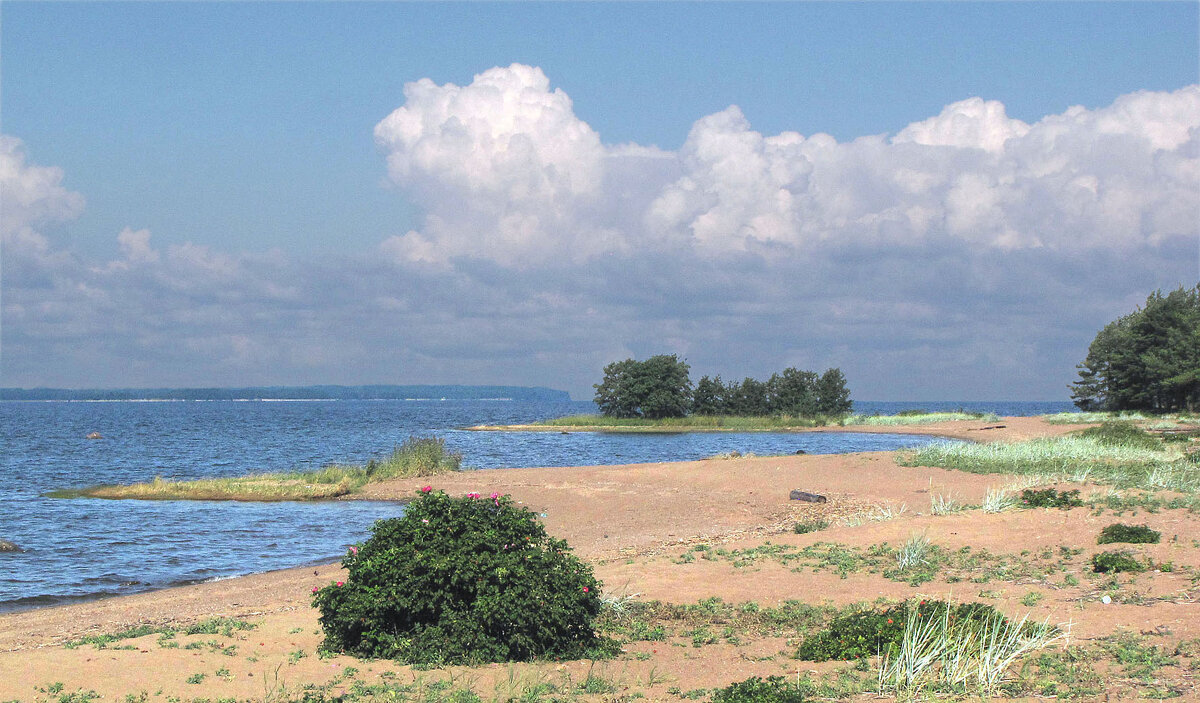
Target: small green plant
[
  {"x": 1122, "y": 434},
  {"x": 914, "y": 553},
  {"x": 197, "y": 678},
  {"x": 1116, "y": 562},
  {"x": 867, "y": 633},
  {"x": 1128, "y": 534},
  {"x": 1050, "y": 498},
  {"x": 1031, "y": 599},
  {"x": 802, "y": 528},
  {"x": 462, "y": 580},
  {"x": 944, "y": 505},
  {"x": 997, "y": 500},
  {"x": 773, "y": 689}
]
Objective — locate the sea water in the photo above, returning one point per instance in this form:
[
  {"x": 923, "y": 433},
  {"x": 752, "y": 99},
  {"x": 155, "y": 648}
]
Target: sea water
[{"x": 88, "y": 548}]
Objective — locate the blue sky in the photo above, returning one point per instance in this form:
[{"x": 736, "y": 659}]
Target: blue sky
[{"x": 250, "y": 133}]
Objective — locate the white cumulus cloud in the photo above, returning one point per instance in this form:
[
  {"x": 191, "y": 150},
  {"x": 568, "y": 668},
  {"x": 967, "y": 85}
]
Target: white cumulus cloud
[{"x": 507, "y": 172}]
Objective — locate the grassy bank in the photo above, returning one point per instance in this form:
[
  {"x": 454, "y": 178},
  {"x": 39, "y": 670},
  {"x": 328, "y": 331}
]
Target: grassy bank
[
  {"x": 747, "y": 423},
  {"x": 918, "y": 417},
  {"x": 692, "y": 423},
  {"x": 1168, "y": 421},
  {"x": 1116, "y": 454},
  {"x": 416, "y": 457}
]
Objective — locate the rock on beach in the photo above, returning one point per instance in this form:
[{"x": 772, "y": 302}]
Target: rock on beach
[{"x": 6, "y": 546}]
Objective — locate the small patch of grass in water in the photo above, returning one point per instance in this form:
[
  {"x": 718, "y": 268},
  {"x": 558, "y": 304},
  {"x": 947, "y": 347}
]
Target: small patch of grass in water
[{"x": 415, "y": 457}]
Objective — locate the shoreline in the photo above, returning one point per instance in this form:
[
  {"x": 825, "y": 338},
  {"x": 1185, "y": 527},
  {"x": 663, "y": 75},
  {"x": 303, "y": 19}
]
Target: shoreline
[
  {"x": 954, "y": 430},
  {"x": 635, "y": 524}
]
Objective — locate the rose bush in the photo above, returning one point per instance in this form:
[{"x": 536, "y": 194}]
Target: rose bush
[{"x": 462, "y": 581}]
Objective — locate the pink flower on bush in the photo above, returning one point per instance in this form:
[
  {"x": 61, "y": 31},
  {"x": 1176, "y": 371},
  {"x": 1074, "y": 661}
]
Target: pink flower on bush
[
  {"x": 315, "y": 589},
  {"x": 341, "y": 583},
  {"x": 585, "y": 589},
  {"x": 476, "y": 496},
  {"x": 426, "y": 489},
  {"x": 354, "y": 550}
]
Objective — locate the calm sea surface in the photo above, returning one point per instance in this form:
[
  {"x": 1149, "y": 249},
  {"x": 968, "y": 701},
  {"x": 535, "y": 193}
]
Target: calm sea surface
[{"x": 85, "y": 548}]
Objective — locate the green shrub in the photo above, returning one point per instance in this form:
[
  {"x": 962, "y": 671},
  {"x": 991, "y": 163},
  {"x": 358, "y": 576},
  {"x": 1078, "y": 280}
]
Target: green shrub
[
  {"x": 462, "y": 580},
  {"x": 1129, "y": 534},
  {"x": 866, "y": 633},
  {"x": 775, "y": 689},
  {"x": 1050, "y": 498},
  {"x": 1122, "y": 434},
  {"x": 1116, "y": 562}
]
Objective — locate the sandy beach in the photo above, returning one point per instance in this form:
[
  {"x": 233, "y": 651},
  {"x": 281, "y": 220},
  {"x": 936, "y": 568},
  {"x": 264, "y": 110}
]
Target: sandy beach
[{"x": 639, "y": 527}]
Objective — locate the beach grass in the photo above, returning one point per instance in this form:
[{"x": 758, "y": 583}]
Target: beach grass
[
  {"x": 1095, "y": 457},
  {"x": 919, "y": 418},
  {"x": 417, "y": 456},
  {"x": 1169, "y": 421}
]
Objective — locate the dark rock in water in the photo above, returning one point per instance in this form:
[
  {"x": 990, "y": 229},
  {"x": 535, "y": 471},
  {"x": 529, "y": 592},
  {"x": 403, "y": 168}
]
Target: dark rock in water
[
  {"x": 95, "y": 435},
  {"x": 800, "y": 451},
  {"x": 6, "y": 546},
  {"x": 807, "y": 497}
]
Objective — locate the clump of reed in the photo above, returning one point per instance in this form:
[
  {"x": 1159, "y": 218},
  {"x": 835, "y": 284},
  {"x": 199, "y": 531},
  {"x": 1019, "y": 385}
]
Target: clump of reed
[
  {"x": 416, "y": 457},
  {"x": 959, "y": 655}
]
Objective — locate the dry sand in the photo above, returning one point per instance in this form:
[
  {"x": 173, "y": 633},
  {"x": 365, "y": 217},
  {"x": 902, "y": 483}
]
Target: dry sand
[{"x": 633, "y": 524}]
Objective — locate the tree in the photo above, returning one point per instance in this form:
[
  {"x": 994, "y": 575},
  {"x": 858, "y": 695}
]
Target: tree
[
  {"x": 833, "y": 397},
  {"x": 793, "y": 392},
  {"x": 709, "y": 396},
  {"x": 655, "y": 388},
  {"x": 1146, "y": 360},
  {"x": 614, "y": 395},
  {"x": 747, "y": 398}
]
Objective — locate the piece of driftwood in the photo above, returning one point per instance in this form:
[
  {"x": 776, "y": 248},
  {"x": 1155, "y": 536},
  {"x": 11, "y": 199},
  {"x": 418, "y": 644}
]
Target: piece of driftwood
[{"x": 807, "y": 497}]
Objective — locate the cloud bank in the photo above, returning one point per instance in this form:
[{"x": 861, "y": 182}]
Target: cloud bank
[{"x": 967, "y": 255}]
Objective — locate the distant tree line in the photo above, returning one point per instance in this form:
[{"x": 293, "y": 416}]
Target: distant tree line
[
  {"x": 660, "y": 387},
  {"x": 1146, "y": 360}
]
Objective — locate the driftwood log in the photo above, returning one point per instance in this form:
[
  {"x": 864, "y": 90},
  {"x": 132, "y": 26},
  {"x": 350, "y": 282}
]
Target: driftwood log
[{"x": 807, "y": 497}]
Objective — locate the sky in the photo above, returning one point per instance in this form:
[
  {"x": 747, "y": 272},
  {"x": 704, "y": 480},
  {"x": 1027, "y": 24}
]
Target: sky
[{"x": 945, "y": 200}]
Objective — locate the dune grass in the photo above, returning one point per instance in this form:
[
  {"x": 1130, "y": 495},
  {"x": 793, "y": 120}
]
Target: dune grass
[
  {"x": 1110, "y": 456},
  {"x": 1169, "y": 421},
  {"x": 415, "y": 457},
  {"x": 919, "y": 417}
]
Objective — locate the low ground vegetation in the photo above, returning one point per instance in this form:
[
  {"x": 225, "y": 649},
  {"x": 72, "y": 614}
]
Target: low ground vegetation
[
  {"x": 1128, "y": 534},
  {"x": 1117, "y": 454},
  {"x": 416, "y": 457},
  {"x": 919, "y": 417}
]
